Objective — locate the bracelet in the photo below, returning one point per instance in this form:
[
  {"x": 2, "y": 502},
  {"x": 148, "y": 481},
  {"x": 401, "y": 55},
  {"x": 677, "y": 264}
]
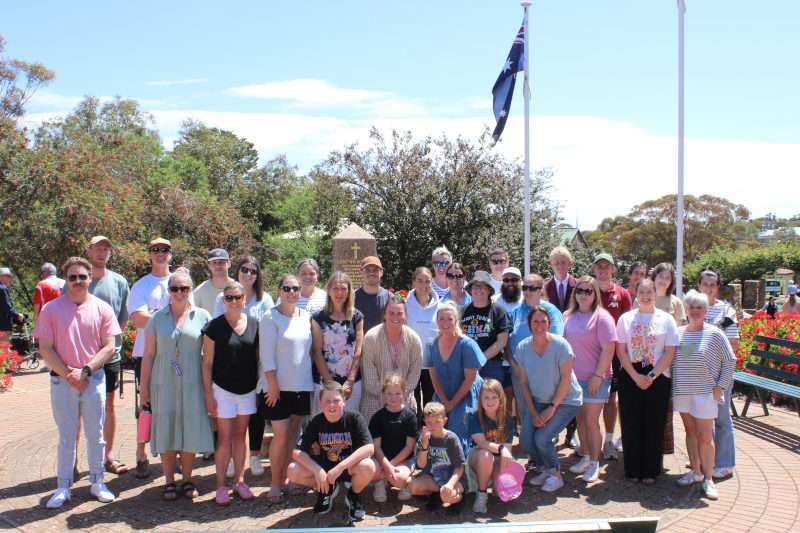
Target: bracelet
[
  {"x": 423, "y": 449},
  {"x": 597, "y": 376}
]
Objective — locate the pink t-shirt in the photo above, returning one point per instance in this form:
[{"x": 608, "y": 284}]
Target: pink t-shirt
[
  {"x": 587, "y": 333},
  {"x": 76, "y": 331}
]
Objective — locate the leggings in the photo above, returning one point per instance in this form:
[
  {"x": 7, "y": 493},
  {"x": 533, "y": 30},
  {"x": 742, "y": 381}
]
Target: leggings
[{"x": 255, "y": 428}]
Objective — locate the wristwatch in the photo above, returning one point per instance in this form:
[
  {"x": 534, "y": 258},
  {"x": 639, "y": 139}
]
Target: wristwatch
[
  {"x": 652, "y": 374},
  {"x": 87, "y": 370}
]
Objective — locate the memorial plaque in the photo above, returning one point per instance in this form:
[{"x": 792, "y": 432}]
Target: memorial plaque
[{"x": 350, "y": 246}]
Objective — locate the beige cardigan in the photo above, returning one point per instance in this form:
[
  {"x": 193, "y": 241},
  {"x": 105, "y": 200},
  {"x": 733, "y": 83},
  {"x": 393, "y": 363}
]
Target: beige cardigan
[{"x": 376, "y": 364}]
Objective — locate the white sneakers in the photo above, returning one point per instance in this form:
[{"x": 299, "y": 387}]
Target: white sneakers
[
  {"x": 256, "y": 468},
  {"x": 552, "y": 483},
  {"x": 539, "y": 479},
  {"x": 379, "y": 492},
  {"x": 689, "y": 478},
  {"x": 710, "y": 490},
  {"x": 581, "y": 466},
  {"x": 404, "y": 495},
  {"x": 479, "y": 507},
  {"x": 592, "y": 472},
  {"x": 101, "y": 492},
  {"x": 59, "y": 498},
  {"x": 98, "y": 490},
  {"x": 610, "y": 451}
]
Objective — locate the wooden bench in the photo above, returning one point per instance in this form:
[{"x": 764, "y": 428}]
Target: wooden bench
[{"x": 770, "y": 377}]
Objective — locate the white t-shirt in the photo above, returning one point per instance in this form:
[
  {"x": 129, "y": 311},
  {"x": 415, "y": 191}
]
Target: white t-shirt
[
  {"x": 150, "y": 293},
  {"x": 647, "y": 335}
]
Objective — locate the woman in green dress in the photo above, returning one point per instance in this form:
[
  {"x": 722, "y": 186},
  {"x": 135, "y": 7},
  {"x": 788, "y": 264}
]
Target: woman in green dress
[{"x": 172, "y": 385}]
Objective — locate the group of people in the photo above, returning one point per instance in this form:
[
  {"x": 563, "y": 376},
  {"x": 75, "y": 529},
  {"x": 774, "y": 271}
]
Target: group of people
[{"x": 423, "y": 394}]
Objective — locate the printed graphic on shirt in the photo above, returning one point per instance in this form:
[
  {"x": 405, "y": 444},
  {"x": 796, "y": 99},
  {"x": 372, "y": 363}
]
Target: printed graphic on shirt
[
  {"x": 643, "y": 340},
  {"x": 476, "y": 326},
  {"x": 440, "y": 464},
  {"x": 334, "y": 446}
]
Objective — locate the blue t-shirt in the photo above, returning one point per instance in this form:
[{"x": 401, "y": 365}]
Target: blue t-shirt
[
  {"x": 544, "y": 370},
  {"x": 474, "y": 426},
  {"x": 519, "y": 320}
]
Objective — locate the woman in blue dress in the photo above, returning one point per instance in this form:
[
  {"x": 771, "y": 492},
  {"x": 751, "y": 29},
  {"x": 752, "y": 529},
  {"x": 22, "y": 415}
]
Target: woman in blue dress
[{"x": 454, "y": 361}]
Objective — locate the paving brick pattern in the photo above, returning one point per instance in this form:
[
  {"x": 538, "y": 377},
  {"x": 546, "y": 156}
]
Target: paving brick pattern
[{"x": 764, "y": 496}]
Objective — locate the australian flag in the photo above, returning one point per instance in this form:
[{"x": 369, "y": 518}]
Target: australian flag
[{"x": 503, "y": 89}]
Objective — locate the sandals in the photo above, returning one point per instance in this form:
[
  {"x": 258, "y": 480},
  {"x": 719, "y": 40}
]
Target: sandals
[
  {"x": 142, "y": 469},
  {"x": 115, "y": 467},
  {"x": 189, "y": 491},
  {"x": 170, "y": 492}
]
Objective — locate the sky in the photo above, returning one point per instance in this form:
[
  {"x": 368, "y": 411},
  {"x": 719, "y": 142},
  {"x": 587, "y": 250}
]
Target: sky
[{"x": 305, "y": 78}]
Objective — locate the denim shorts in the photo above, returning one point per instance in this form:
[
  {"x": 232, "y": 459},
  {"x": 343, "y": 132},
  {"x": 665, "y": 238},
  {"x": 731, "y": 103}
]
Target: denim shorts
[{"x": 602, "y": 391}]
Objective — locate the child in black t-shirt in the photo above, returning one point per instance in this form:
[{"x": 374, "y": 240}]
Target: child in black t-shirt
[
  {"x": 394, "y": 430},
  {"x": 441, "y": 458},
  {"x": 336, "y": 446}
]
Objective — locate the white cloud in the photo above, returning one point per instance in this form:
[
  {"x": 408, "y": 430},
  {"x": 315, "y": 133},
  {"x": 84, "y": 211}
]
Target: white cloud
[
  {"x": 59, "y": 102},
  {"x": 602, "y": 167},
  {"x": 306, "y": 92},
  {"x": 167, "y": 83}
]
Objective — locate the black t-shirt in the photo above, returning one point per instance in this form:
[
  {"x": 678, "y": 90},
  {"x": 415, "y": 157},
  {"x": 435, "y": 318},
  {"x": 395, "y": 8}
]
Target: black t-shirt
[
  {"x": 235, "y": 367},
  {"x": 393, "y": 429},
  {"x": 329, "y": 443},
  {"x": 483, "y": 324},
  {"x": 371, "y": 306}
]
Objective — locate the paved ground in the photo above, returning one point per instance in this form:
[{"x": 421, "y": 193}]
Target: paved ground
[{"x": 764, "y": 495}]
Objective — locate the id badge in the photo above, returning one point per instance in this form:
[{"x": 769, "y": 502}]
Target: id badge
[{"x": 177, "y": 366}]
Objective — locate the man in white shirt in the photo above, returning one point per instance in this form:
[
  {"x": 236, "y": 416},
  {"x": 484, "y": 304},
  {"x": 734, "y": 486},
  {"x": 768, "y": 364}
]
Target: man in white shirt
[
  {"x": 147, "y": 296},
  {"x": 510, "y": 295},
  {"x": 498, "y": 262}
]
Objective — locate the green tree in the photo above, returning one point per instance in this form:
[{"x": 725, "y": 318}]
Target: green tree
[
  {"x": 647, "y": 233},
  {"x": 414, "y": 195},
  {"x": 745, "y": 263}
]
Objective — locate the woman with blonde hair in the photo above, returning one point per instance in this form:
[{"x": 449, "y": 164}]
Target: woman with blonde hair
[
  {"x": 454, "y": 361},
  {"x": 338, "y": 333}
]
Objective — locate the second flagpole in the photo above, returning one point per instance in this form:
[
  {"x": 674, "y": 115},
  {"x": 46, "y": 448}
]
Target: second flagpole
[{"x": 526, "y": 96}]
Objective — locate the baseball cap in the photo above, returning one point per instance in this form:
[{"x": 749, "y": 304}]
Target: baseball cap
[
  {"x": 159, "y": 240},
  {"x": 508, "y": 481},
  {"x": 603, "y": 256},
  {"x": 5, "y": 271},
  {"x": 100, "y": 238},
  {"x": 371, "y": 260},
  {"x": 514, "y": 271},
  {"x": 216, "y": 254}
]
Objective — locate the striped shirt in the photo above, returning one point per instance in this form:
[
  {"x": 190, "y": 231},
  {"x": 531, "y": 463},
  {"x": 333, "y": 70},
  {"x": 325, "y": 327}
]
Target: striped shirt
[
  {"x": 716, "y": 314},
  {"x": 704, "y": 360}
]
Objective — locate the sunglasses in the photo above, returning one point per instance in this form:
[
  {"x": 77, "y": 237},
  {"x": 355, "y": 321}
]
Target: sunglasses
[
  {"x": 531, "y": 288},
  {"x": 75, "y": 277},
  {"x": 499, "y": 261},
  {"x": 455, "y": 276},
  {"x": 288, "y": 289},
  {"x": 245, "y": 270},
  {"x": 160, "y": 250},
  {"x": 586, "y": 292},
  {"x": 511, "y": 280},
  {"x": 441, "y": 264},
  {"x": 233, "y": 297},
  {"x": 175, "y": 289}
]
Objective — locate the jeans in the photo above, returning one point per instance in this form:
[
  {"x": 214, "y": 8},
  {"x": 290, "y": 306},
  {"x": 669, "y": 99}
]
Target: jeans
[
  {"x": 542, "y": 448},
  {"x": 724, "y": 439},
  {"x": 69, "y": 406}
]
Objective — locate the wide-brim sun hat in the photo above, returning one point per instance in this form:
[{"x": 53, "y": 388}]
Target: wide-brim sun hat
[{"x": 480, "y": 276}]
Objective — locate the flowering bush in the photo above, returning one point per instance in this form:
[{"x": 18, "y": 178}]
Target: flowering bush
[
  {"x": 399, "y": 293},
  {"x": 128, "y": 340},
  {"x": 9, "y": 362},
  {"x": 783, "y": 326}
]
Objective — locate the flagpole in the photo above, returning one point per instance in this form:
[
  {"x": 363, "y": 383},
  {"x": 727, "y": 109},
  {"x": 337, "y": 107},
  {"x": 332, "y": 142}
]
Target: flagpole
[
  {"x": 680, "y": 215},
  {"x": 526, "y": 96}
]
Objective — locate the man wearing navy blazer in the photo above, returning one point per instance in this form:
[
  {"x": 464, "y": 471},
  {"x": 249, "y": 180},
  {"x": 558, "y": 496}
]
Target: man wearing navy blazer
[{"x": 559, "y": 286}]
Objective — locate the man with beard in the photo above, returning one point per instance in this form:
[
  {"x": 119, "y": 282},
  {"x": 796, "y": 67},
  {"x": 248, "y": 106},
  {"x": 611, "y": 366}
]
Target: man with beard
[
  {"x": 510, "y": 296},
  {"x": 112, "y": 288}
]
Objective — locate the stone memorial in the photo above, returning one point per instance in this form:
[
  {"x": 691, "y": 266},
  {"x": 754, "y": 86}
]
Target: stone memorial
[{"x": 350, "y": 246}]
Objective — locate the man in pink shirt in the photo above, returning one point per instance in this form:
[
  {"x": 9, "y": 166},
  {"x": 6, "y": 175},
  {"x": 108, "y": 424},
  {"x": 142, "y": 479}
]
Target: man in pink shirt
[{"x": 76, "y": 337}]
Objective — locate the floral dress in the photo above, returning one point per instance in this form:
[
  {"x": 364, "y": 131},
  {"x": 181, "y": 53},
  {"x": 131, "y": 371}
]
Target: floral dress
[{"x": 338, "y": 345}]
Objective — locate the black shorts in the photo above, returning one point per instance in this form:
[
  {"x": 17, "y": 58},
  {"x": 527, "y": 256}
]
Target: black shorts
[
  {"x": 289, "y": 403},
  {"x": 112, "y": 376}
]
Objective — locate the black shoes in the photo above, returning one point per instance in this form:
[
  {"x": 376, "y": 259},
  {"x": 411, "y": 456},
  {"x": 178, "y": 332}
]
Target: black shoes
[
  {"x": 355, "y": 505},
  {"x": 325, "y": 501}
]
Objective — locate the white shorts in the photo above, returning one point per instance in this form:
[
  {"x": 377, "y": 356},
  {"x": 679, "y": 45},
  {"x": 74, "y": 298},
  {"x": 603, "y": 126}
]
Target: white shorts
[
  {"x": 230, "y": 405},
  {"x": 698, "y": 405}
]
